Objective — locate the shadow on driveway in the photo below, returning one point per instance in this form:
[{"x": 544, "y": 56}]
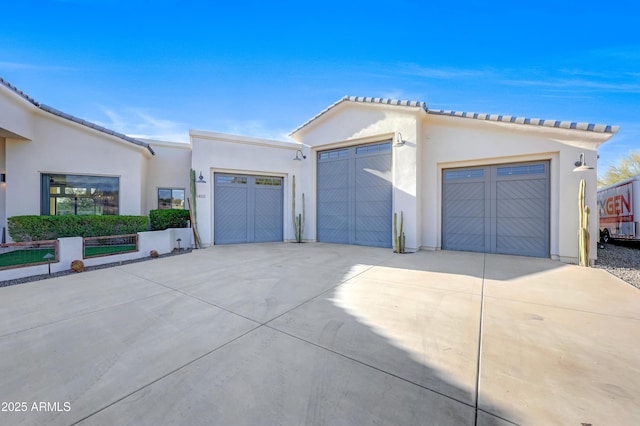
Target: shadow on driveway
[{"x": 252, "y": 334}]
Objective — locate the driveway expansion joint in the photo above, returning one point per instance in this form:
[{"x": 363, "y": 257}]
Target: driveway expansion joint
[
  {"x": 371, "y": 366},
  {"x": 196, "y": 359},
  {"x": 480, "y": 332}
]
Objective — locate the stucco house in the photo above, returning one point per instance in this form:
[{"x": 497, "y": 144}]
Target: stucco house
[{"x": 462, "y": 181}]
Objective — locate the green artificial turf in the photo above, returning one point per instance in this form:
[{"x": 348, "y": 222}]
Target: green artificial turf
[
  {"x": 104, "y": 250},
  {"x": 25, "y": 257}
]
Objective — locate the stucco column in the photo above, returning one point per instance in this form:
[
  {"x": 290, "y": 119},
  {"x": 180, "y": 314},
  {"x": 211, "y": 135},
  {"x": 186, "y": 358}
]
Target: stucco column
[{"x": 405, "y": 182}]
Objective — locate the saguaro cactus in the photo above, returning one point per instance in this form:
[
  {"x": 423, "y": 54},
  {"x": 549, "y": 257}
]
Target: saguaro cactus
[{"x": 583, "y": 230}]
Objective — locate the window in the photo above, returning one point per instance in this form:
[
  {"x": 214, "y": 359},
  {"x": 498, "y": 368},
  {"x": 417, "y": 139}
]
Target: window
[
  {"x": 269, "y": 181},
  {"x": 79, "y": 194},
  {"x": 222, "y": 179},
  {"x": 170, "y": 198},
  {"x": 386, "y": 146},
  {"x": 535, "y": 169},
  {"x": 338, "y": 153},
  {"x": 464, "y": 174}
]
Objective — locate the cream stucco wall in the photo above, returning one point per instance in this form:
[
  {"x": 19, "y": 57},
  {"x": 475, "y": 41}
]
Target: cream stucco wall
[
  {"x": 435, "y": 142},
  {"x": 351, "y": 123},
  {"x": 18, "y": 116},
  {"x": 65, "y": 147},
  {"x": 459, "y": 142},
  {"x": 221, "y": 153},
  {"x": 169, "y": 168},
  {"x": 33, "y": 141}
]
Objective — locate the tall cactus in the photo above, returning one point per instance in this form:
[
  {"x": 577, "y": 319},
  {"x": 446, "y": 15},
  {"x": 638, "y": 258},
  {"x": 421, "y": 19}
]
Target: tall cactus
[
  {"x": 298, "y": 220},
  {"x": 398, "y": 237},
  {"x": 395, "y": 233},
  {"x": 583, "y": 230}
]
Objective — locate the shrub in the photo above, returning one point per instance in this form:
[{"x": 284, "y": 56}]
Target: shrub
[
  {"x": 38, "y": 228},
  {"x": 163, "y": 219},
  {"x": 77, "y": 266},
  {"x": 154, "y": 254}
]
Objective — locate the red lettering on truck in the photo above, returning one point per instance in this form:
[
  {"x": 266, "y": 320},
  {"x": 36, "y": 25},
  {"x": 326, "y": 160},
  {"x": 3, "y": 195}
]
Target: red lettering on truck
[{"x": 615, "y": 205}]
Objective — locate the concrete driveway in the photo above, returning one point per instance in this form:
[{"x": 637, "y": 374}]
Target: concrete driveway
[{"x": 316, "y": 333}]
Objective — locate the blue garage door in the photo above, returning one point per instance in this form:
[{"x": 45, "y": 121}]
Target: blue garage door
[
  {"x": 355, "y": 195},
  {"x": 497, "y": 209},
  {"x": 247, "y": 209}
]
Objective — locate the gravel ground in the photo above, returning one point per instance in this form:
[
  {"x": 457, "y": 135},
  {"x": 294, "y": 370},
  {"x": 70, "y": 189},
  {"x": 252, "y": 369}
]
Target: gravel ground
[{"x": 622, "y": 260}]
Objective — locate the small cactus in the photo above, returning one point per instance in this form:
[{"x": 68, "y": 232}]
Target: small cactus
[
  {"x": 298, "y": 220},
  {"x": 398, "y": 237},
  {"x": 77, "y": 266}
]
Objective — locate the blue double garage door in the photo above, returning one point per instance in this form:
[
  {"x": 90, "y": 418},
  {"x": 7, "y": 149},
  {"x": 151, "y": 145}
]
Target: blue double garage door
[
  {"x": 355, "y": 195},
  {"x": 247, "y": 209},
  {"x": 497, "y": 209}
]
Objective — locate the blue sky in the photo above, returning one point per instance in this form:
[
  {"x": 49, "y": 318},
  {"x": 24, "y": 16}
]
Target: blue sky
[{"x": 158, "y": 68}]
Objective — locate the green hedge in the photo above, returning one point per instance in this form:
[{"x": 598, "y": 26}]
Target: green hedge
[
  {"x": 163, "y": 219},
  {"x": 38, "y": 228}
]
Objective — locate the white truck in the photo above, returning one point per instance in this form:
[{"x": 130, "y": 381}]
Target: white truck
[{"x": 619, "y": 210}]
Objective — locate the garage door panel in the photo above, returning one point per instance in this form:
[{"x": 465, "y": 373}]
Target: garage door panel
[
  {"x": 466, "y": 242},
  {"x": 370, "y": 194},
  {"x": 462, "y": 208},
  {"x": 465, "y": 225},
  {"x": 520, "y": 208},
  {"x": 505, "y": 206},
  {"x": 231, "y": 213},
  {"x": 334, "y": 173},
  {"x": 247, "y": 209},
  {"x": 372, "y": 239},
  {"x": 365, "y": 209},
  {"x": 523, "y": 246},
  {"x": 333, "y": 195},
  {"x": 465, "y": 191},
  {"x": 334, "y": 233},
  {"x": 464, "y": 214},
  {"x": 372, "y": 231},
  {"x": 354, "y": 195},
  {"x": 520, "y": 227},
  {"x": 521, "y": 189}
]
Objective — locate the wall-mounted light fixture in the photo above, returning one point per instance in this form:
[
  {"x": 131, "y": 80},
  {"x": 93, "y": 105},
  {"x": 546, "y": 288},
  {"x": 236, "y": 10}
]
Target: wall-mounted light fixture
[
  {"x": 581, "y": 166},
  {"x": 300, "y": 154},
  {"x": 398, "y": 141},
  {"x": 201, "y": 179},
  {"x": 3, "y": 177}
]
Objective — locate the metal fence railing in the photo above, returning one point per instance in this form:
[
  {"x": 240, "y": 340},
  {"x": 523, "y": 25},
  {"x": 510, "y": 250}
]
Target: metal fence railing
[
  {"x": 18, "y": 255},
  {"x": 109, "y": 245}
]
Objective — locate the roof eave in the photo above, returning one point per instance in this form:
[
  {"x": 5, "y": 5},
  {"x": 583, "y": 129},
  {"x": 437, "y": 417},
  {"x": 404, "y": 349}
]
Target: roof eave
[
  {"x": 72, "y": 118},
  {"x": 567, "y": 125},
  {"x": 360, "y": 100}
]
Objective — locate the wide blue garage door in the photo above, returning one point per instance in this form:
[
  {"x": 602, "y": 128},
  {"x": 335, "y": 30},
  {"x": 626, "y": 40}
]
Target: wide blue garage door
[
  {"x": 247, "y": 209},
  {"x": 497, "y": 209},
  {"x": 355, "y": 195}
]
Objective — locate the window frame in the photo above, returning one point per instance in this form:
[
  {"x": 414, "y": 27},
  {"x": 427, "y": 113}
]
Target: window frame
[
  {"x": 165, "y": 188},
  {"x": 47, "y": 181}
]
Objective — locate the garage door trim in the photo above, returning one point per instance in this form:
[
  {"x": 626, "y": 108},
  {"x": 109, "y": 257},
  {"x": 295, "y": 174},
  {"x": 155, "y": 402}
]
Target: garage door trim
[
  {"x": 497, "y": 208},
  {"x": 247, "y": 208}
]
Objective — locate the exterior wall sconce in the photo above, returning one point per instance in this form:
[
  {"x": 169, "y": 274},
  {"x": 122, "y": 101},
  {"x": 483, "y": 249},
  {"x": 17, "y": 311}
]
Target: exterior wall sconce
[
  {"x": 201, "y": 179},
  {"x": 581, "y": 166},
  {"x": 300, "y": 154},
  {"x": 398, "y": 141},
  {"x": 3, "y": 177}
]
